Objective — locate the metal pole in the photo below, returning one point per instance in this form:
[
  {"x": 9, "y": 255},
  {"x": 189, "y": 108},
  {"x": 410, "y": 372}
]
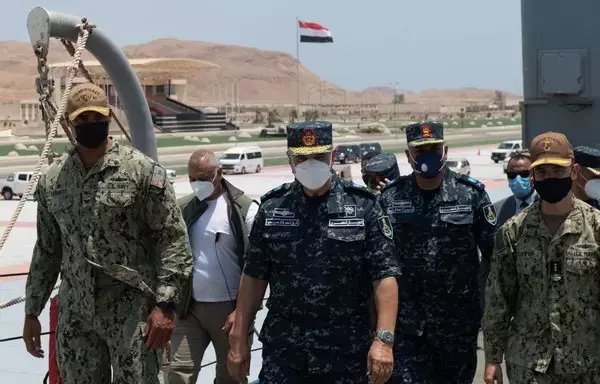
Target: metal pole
[
  {"x": 297, "y": 65},
  {"x": 43, "y": 24}
]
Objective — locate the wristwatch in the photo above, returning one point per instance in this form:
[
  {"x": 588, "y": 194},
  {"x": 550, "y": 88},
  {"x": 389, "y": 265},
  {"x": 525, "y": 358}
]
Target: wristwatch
[
  {"x": 167, "y": 306},
  {"x": 386, "y": 336}
]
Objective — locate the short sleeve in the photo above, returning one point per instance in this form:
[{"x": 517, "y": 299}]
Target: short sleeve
[
  {"x": 380, "y": 254},
  {"x": 257, "y": 258}
]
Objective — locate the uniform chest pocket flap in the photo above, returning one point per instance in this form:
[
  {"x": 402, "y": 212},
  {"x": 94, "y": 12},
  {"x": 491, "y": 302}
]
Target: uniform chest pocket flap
[
  {"x": 117, "y": 196},
  {"x": 346, "y": 235},
  {"x": 280, "y": 234},
  {"x": 582, "y": 259},
  {"x": 456, "y": 215}
]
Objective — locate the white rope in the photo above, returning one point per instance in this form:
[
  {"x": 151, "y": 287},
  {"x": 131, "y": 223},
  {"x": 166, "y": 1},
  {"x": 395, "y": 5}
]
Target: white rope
[{"x": 81, "y": 42}]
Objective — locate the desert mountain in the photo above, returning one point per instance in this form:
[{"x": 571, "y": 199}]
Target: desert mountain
[{"x": 267, "y": 77}]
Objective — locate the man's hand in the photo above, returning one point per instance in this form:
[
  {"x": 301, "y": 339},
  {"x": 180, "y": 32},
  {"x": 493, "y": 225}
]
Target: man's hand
[
  {"x": 380, "y": 362},
  {"x": 32, "y": 330},
  {"x": 238, "y": 359},
  {"x": 493, "y": 373},
  {"x": 159, "y": 328},
  {"x": 229, "y": 323},
  {"x": 381, "y": 185}
]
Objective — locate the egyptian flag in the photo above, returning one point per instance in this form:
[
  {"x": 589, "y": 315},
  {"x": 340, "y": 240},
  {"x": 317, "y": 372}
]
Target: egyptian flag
[{"x": 314, "y": 33}]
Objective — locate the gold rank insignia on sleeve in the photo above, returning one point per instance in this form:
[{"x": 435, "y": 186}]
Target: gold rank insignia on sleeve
[
  {"x": 159, "y": 175},
  {"x": 386, "y": 227}
]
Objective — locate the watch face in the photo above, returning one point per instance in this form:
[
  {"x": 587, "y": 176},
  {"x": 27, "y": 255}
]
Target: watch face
[{"x": 386, "y": 336}]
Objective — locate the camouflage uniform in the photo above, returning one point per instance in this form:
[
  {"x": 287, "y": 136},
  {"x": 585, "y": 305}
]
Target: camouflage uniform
[
  {"x": 116, "y": 236},
  {"x": 320, "y": 256},
  {"x": 589, "y": 158},
  {"x": 437, "y": 235},
  {"x": 542, "y": 298}
]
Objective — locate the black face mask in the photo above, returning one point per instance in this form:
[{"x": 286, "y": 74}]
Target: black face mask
[
  {"x": 553, "y": 190},
  {"x": 91, "y": 135}
]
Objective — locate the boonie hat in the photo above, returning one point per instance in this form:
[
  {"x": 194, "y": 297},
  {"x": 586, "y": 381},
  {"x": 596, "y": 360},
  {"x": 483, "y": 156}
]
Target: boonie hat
[
  {"x": 551, "y": 148},
  {"x": 588, "y": 157},
  {"x": 87, "y": 97},
  {"x": 310, "y": 137},
  {"x": 423, "y": 133}
]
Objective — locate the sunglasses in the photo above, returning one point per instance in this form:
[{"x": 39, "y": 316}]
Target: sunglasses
[{"x": 523, "y": 174}]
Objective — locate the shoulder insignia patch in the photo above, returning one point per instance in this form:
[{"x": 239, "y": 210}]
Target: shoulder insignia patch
[
  {"x": 273, "y": 192},
  {"x": 489, "y": 212},
  {"x": 385, "y": 226},
  {"x": 478, "y": 185},
  {"x": 159, "y": 176}
]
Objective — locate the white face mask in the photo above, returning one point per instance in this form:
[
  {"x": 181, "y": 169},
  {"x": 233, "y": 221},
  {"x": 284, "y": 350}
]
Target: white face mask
[
  {"x": 313, "y": 174},
  {"x": 202, "y": 189},
  {"x": 592, "y": 189}
]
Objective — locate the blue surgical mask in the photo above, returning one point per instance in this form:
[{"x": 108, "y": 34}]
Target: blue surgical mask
[
  {"x": 428, "y": 165},
  {"x": 520, "y": 187}
]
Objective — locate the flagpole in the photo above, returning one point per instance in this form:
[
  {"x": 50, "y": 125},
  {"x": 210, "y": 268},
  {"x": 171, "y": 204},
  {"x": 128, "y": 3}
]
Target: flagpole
[{"x": 297, "y": 66}]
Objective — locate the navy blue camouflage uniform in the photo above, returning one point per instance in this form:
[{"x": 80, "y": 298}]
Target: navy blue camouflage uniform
[
  {"x": 437, "y": 235},
  {"x": 320, "y": 256},
  {"x": 590, "y": 158}
]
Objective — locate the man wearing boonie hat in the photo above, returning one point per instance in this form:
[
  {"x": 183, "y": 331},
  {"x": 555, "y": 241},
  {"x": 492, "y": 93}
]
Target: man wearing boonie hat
[
  {"x": 108, "y": 222},
  {"x": 441, "y": 220},
  {"x": 325, "y": 248},
  {"x": 541, "y": 314},
  {"x": 587, "y": 184}
]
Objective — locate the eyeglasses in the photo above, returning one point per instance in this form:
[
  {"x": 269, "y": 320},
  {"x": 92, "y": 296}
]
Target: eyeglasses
[{"x": 512, "y": 175}]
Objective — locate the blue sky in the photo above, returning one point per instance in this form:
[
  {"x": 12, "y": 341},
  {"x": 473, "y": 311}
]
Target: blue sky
[{"x": 419, "y": 44}]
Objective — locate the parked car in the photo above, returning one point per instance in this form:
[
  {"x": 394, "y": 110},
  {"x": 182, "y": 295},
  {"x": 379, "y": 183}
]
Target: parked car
[
  {"x": 15, "y": 185},
  {"x": 242, "y": 159},
  {"x": 461, "y": 166},
  {"x": 345, "y": 153},
  {"x": 505, "y": 148},
  {"x": 372, "y": 149}
]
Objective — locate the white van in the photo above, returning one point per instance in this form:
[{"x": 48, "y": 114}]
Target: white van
[
  {"x": 506, "y": 148},
  {"x": 242, "y": 159}
]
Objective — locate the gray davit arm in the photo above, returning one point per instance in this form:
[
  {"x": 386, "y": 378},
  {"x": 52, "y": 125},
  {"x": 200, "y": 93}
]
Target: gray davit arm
[{"x": 43, "y": 24}]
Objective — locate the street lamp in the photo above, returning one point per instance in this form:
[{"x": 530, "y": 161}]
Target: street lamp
[{"x": 394, "y": 87}]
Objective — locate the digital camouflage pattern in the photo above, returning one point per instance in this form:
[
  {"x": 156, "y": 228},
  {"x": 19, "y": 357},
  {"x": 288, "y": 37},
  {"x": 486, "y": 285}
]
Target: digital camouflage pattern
[
  {"x": 88, "y": 343},
  {"x": 310, "y": 137},
  {"x": 118, "y": 219},
  {"x": 437, "y": 235},
  {"x": 320, "y": 256},
  {"x": 523, "y": 375},
  {"x": 276, "y": 370},
  {"x": 551, "y": 286}
]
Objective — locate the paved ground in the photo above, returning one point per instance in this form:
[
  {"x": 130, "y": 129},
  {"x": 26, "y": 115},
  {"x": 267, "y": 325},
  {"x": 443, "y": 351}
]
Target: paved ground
[{"x": 16, "y": 366}]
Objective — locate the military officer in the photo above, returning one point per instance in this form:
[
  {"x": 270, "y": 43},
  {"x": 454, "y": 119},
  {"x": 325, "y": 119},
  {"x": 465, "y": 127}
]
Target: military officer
[
  {"x": 440, "y": 219},
  {"x": 108, "y": 222},
  {"x": 380, "y": 170},
  {"x": 587, "y": 185},
  {"x": 542, "y": 295},
  {"x": 325, "y": 248}
]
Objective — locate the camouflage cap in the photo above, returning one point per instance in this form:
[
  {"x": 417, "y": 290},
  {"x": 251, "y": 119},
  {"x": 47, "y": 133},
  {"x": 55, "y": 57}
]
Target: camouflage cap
[
  {"x": 309, "y": 137},
  {"x": 551, "y": 148},
  {"x": 87, "y": 97},
  {"x": 423, "y": 133},
  {"x": 588, "y": 157}
]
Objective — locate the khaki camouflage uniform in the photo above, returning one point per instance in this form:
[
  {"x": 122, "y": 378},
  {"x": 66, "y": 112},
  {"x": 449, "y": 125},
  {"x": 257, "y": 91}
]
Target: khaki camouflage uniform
[
  {"x": 117, "y": 237},
  {"x": 543, "y": 299}
]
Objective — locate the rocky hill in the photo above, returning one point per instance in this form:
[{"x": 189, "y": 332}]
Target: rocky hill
[{"x": 267, "y": 77}]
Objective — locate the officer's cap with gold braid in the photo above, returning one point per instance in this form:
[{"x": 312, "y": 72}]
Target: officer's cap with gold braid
[
  {"x": 424, "y": 133},
  {"x": 309, "y": 138}
]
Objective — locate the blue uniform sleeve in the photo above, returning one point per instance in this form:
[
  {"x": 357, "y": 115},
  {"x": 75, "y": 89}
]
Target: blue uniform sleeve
[
  {"x": 380, "y": 255},
  {"x": 484, "y": 227},
  {"x": 258, "y": 262}
]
